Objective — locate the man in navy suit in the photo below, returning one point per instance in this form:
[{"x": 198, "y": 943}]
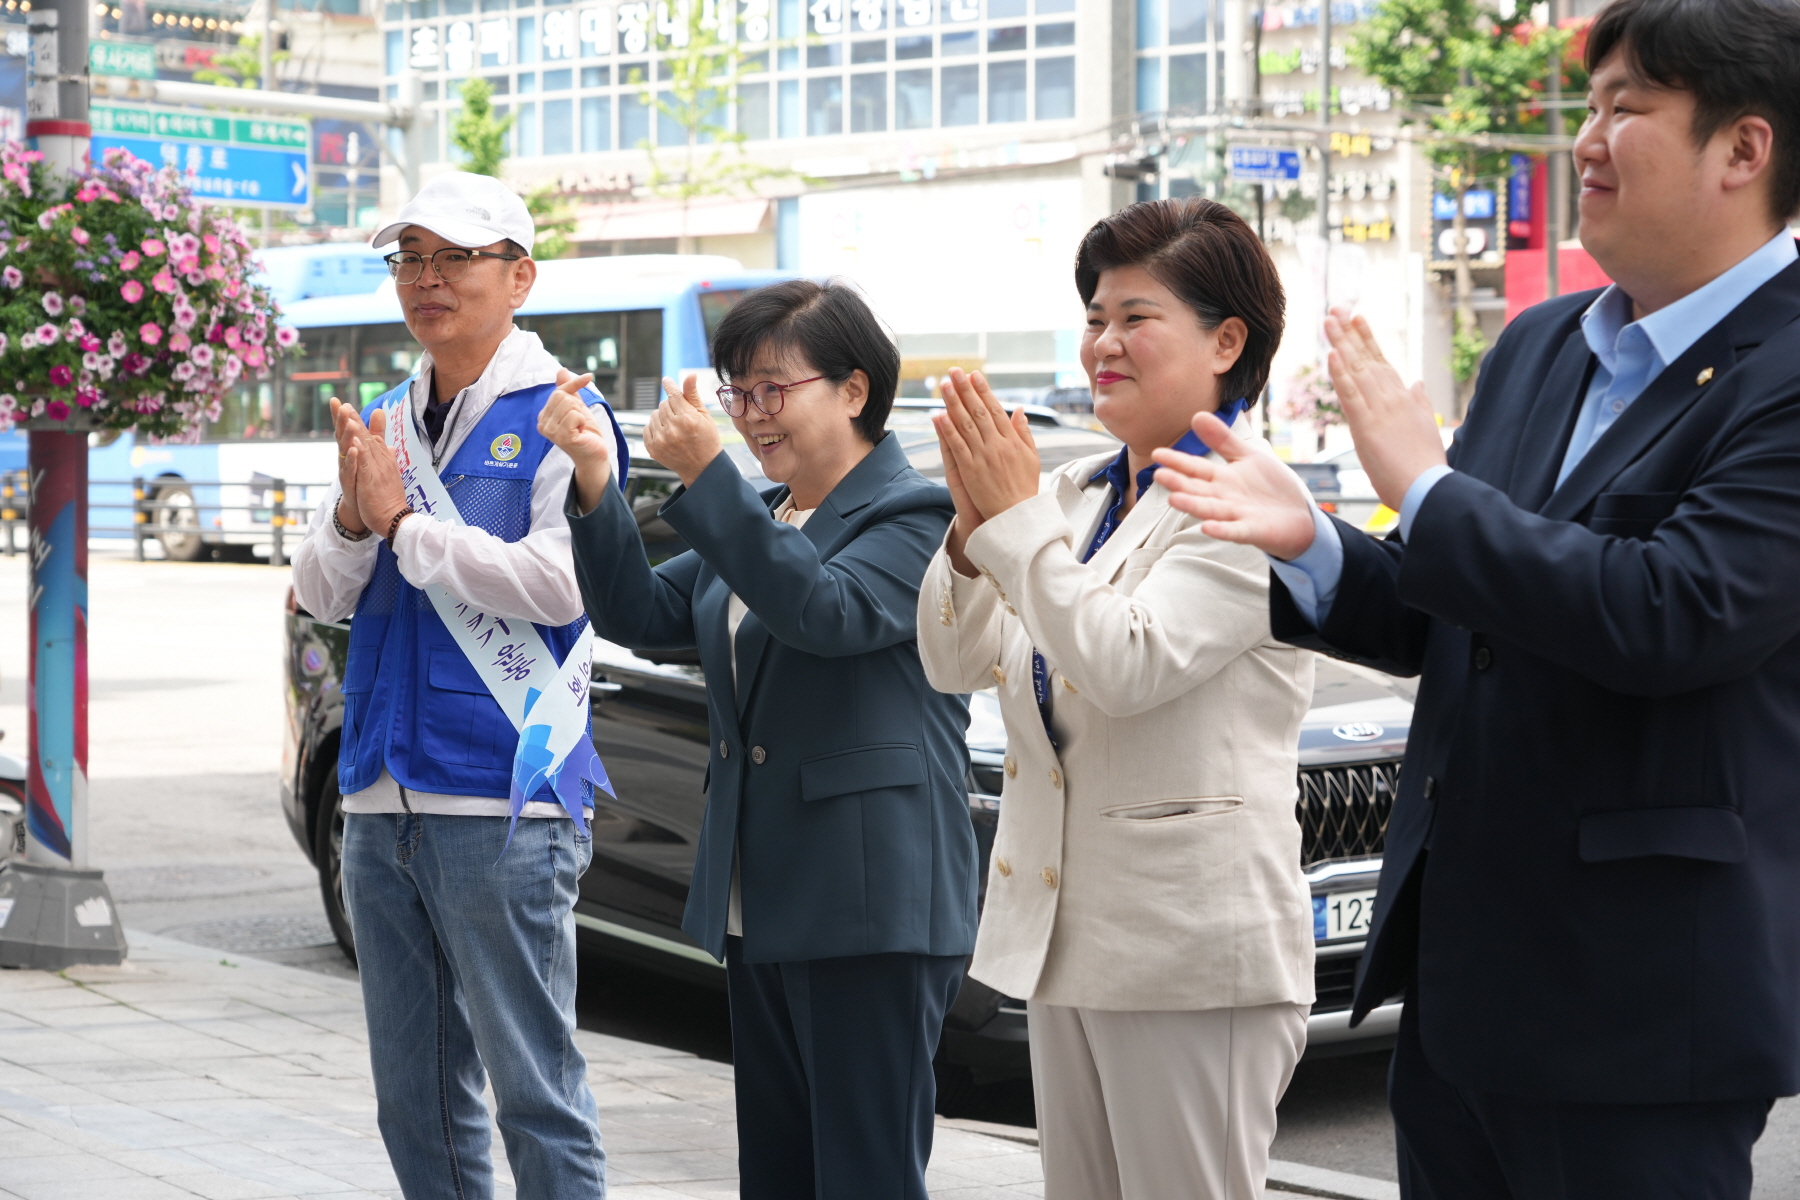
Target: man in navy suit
[{"x": 1591, "y": 892}]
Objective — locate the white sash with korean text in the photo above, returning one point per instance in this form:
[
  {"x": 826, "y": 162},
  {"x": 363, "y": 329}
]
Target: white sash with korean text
[{"x": 546, "y": 702}]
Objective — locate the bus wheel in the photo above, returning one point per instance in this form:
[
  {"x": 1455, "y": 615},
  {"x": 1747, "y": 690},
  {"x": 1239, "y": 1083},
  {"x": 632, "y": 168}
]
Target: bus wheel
[{"x": 176, "y": 512}]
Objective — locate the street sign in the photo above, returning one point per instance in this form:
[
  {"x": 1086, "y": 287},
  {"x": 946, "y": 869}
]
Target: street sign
[
  {"x": 260, "y": 162},
  {"x": 1264, "y": 164},
  {"x": 129, "y": 60}
]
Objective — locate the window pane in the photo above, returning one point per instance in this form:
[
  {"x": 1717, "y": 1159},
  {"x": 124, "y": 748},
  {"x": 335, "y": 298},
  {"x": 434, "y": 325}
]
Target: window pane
[
  {"x": 634, "y": 121},
  {"x": 1149, "y": 85},
  {"x": 596, "y": 123},
  {"x": 1060, "y": 34},
  {"x": 912, "y": 99},
  {"x": 1055, "y": 6},
  {"x": 385, "y": 356},
  {"x": 868, "y": 103},
  {"x": 1187, "y": 81},
  {"x": 527, "y": 83},
  {"x": 824, "y": 107},
  {"x": 527, "y": 39},
  {"x": 596, "y": 76},
  {"x": 912, "y": 47},
  {"x": 1055, "y": 88},
  {"x": 868, "y": 52},
  {"x": 753, "y": 110},
  {"x": 396, "y": 51},
  {"x": 831, "y": 54},
  {"x": 584, "y": 342},
  {"x": 669, "y": 131},
  {"x": 1188, "y": 22},
  {"x": 789, "y": 115},
  {"x": 1006, "y": 8},
  {"x": 525, "y": 132},
  {"x": 962, "y": 95},
  {"x": 1009, "y": 37},
  {"x": 559, "y": 127},
  {"x": 1006, "y": 92},
  {"x": 559, "y": 81},
  {"x": 1149, "y": 24},
  {"x": 961, "y": 43}
]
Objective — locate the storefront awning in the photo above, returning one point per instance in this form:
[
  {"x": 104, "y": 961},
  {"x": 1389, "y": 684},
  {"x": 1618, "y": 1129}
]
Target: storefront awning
[{"x": 710, "y": 217}]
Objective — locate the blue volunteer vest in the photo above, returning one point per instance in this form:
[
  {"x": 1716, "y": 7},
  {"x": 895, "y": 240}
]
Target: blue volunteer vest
[{"x": 412, "y": 702}]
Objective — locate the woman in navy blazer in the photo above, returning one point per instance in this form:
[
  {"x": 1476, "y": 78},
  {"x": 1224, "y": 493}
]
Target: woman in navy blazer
[{"x": 836, "y": 870}]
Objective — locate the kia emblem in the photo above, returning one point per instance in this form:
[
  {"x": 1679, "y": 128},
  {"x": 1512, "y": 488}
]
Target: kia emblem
[{"x": 1359, "y": 731}]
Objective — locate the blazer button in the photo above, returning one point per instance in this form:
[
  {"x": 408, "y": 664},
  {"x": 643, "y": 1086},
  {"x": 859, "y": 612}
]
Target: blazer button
[
  {"x": 1012, "y": 767},
  {"x": 1484, "y": 658},
  {"x": 1055, "y": 778},
  {"x": 1049, "y": 876},
  {"x": 724, "y": 750},
  {"x": 1004, "y": 867},
  {"x": 1430, "y": 787},
  {"x": 999, "y": 677},
  {"x": 758, "y": 755}
]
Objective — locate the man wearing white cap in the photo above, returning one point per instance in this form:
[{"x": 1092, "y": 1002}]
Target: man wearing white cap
[{"x": 465, "y": 762}]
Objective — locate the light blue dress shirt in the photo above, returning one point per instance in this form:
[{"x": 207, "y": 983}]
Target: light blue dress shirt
[{"x": 1631, "y": 353}]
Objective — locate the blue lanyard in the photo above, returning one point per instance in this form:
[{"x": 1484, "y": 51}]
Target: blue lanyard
[{"x": 1117, "y": 474}]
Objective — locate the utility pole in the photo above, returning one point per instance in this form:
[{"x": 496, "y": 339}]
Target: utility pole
[
  {"x": 1557, "y": 198},
  {"x": 263, "y": 80},
  {"x": 56, "y": 911},
  {"x": 1325, "y": 144}
]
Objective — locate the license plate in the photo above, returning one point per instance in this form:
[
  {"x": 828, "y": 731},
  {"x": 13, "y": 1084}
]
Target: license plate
[{"x": 1342, "y": 915}]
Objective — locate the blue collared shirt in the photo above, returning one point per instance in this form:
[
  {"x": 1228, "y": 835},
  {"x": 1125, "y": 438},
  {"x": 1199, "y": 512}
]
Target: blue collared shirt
[{"x": 1631, "y": 355}]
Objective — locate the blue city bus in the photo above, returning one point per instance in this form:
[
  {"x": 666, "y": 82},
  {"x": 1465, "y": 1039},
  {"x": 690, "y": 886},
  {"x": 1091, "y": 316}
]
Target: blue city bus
[{"x": 628, "y": 319}]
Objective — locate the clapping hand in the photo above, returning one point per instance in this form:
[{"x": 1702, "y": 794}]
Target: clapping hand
[
  {"x": 990, "y": 460},
  {"x": 681, "y": 434},
  {"x": 582, "y": 433},
  {"x": 348, "y": 429},
  {"x": 1241, "y": 492},
  {"x": 1395, "y": 430},
  {"x": 380, "y": 493}
]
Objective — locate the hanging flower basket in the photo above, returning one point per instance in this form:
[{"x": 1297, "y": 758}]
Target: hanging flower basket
[
  {"x": 124, "y": 302},
  {"x": 1311, "y": 400}
]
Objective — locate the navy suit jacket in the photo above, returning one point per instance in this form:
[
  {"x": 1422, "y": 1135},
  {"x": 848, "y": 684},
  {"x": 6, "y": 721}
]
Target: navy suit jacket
[
  {"x": 1592, "y": 875},
  {"x": 837, "y": 772}
]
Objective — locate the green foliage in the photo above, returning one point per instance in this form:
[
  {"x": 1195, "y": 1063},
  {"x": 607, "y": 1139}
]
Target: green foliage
[
  {"x": 240, "y": 66},
  {"x": 703, "y": 66},
  {"x": 478, "y": 133},
  {"x": 1467, "y": 345},
  {"x": 555, "y": 221}
]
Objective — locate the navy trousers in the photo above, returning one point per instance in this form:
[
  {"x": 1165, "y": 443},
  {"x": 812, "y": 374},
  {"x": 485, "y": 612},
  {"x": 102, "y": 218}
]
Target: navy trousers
[
  {"x": 1455, "y": 1144},
  {"x": 835, "y": 1095}
]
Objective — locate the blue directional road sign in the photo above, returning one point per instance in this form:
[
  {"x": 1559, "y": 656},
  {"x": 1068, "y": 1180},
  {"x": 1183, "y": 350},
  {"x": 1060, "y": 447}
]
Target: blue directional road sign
[
  {"x": 1264, "y": 164},
  {"x": 256, "y": 162}
]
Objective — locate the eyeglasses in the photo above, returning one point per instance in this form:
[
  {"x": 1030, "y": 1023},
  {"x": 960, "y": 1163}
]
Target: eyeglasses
[
  {"x": 768, "y": 396},
  {"x": 450, "y": 264}
]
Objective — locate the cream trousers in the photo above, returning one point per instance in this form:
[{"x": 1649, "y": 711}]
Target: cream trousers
[{"x": 1160, "y": 1105}]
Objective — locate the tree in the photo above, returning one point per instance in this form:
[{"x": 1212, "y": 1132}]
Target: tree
[
  {"x": 241, "y": 66},
  {"x": 1473, "y": 80},
  {"x": 704, "y": 62},
  {"x": 481, "y": 136}
]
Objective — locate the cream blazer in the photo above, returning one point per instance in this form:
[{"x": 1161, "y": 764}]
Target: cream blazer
[{"x": 1154, "y": 863}]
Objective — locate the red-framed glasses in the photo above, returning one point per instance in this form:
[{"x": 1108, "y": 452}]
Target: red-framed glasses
[{"x": 768, "y": 396}]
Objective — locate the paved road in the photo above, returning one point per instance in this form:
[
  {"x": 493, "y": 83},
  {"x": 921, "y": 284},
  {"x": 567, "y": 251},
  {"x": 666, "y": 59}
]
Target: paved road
[{"x": 185, "y": 724}]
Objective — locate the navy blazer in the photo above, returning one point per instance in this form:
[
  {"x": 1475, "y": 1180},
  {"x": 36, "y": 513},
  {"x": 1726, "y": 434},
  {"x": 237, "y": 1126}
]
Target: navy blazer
[
  {"x": 836, "y": 771},
  {"x": 1593, "y": 865}
]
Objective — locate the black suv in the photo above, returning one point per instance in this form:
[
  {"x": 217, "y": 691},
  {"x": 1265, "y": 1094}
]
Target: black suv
[{"x": 650, "y": 728}]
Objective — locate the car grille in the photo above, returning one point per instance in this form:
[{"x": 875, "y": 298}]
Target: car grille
[
  {"x": 1334, "y": 982},
  {"x": 1343, "y": 811}
]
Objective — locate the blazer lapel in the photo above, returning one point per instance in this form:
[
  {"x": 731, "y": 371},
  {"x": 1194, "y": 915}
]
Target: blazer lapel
[
  {"x": 1131, "y": 533},
  {"x": 1558, "y": 400}
]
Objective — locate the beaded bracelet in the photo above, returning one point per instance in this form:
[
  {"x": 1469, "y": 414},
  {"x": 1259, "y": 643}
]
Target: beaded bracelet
[{"x": 394, "y": 525}]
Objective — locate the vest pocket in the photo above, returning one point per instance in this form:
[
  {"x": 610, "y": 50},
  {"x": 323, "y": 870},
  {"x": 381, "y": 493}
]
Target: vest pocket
[{"x": 461, "y": 722}]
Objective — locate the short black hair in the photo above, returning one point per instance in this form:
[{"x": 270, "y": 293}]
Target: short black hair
[
  {"x": 829, "y": 324},
  {"x": 1738, "y": 57},
  {"x": 1204, "y": 253}
]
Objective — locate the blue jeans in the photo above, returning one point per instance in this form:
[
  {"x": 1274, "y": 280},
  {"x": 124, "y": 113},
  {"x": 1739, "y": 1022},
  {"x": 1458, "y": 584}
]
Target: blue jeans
[{"x": 468, "y": 961}]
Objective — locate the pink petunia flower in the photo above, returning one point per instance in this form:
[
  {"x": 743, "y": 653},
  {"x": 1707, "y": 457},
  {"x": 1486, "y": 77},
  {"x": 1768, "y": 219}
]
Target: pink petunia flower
[
  {"x": 286, "y": 336},
  {"x": 215, "y": 272},
  {"x": 53, "y": 304},
  {"x": 12, "y": 276},
  {"x": 183, "y": 371},
  {"x": 115, "y": 344},
  {"x": 56, "y": 410},
  {"x": 61, "y": 375},
  {"x": 78, "y": 305},
  {"x": 254, "y": 356},
  {"x": 202, "y": 355},
  {"x": 179, "y": 341},
  {"x": 91, "y": 361},
  {"x": 74, "y": 330},
  {"x": 163, "y": 282},
  {"x": 150, "y": 333},
  {"x": 152, "y": 247},
  {"x": 90, "y": 342},
  {"x": 47, "y": 334},
  {"x": 194, "y": 278},
  {"x": 2, "y": 343},
  {"x": 133, "y": 291},
  {"x": 80, "y": 235},
  {"x": 188, "y": 263},
  {"x": 130, "y": 261}
]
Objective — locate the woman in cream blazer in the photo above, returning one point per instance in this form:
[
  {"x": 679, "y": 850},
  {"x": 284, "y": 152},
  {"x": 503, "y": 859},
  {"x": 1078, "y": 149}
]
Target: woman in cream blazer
[{"x": 1144, "y": 894}]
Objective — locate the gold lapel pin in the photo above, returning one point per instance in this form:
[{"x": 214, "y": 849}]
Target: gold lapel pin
[{"x": 1704, "y": 377}]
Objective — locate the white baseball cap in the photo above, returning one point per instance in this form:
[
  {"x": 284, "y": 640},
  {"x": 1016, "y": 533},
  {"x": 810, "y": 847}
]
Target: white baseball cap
[{"x": 465, "y": 210}]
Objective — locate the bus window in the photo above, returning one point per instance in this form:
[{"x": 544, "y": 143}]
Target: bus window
[
  {"x": 385, "y": 356},
  {"x": 622, "y": 349},
  {"x": 714, "y": 306},
  {"x": 316, "y": 373},
  {"x": 244, "y": 415}
]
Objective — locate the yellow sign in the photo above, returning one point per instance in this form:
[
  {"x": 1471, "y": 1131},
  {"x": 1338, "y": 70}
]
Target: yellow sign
[
  {"x": 1373, "y": 231},
  {"x": 1358, "y": 144}
]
